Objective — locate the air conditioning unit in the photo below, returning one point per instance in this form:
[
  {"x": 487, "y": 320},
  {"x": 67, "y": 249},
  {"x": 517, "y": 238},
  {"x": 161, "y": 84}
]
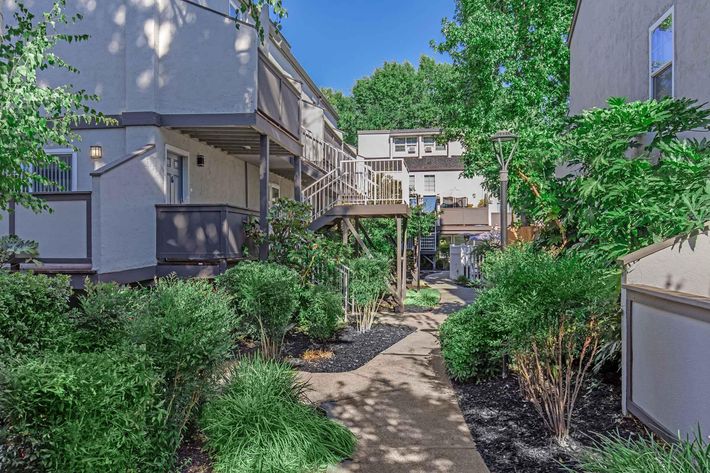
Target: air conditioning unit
[
  {"x": 411, "y": 149},
  {"x": 428, "y": 149}
]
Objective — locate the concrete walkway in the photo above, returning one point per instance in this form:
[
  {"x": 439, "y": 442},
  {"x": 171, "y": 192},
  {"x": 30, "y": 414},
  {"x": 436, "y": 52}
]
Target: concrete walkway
[{"x": 401, "y": 405}]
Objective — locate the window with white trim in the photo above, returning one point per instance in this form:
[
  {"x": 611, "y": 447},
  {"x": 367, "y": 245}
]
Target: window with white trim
[
  {"x": 412, "y": 182},
  {"x": 661, "y": 45},
  {"x": 61, "y": 174},
  {"x": 430, "y": 183},
  {"x": 405, "y": 145}
]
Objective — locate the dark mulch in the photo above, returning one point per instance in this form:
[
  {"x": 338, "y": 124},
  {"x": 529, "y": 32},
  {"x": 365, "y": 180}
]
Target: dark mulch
[
  {"x": 192, "y": 458},
  {"x": 351, "y": 348},
  {"x": 510, "y": 434}
]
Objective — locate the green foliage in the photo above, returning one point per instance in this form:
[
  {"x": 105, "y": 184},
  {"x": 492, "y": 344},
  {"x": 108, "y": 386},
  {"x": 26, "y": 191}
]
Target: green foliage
[
  {"x": 510, "y": 71},
  {"x": 321, "y": 313},
  {"x": 265, "y": 296},
  {"x": 395, "y": 96},
  {"x": 100, "y": 320},
  {"x": 258, "y": 424},
  {"x": 423, "y": 298},
  {"x": 369, "y": 282},
  {"x": 638, "y": 182},
  {"x": 537, "y": 289},
  {"x": 185, "y": 327},
  {"x": 12, "y": 246},
  {"x": 618, "y": 455},
  {"x": 293, "y": 244},
  {"x": 32, "y": 115},
  {"x": 33, "y": 311},
  {"x": 81, "y": 412},
  {"x": 472, "y": 340}
]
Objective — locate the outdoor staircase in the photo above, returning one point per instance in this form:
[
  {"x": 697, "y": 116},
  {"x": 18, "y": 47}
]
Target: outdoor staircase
[{"x": 357, "y": 186}]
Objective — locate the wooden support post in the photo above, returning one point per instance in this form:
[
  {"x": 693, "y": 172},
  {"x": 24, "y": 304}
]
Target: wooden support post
[
  {"x": 362, "y": 230},
  {"x": 264, "y": 197},
  {"x": 357, "y": 236},
  {"x": 297, "y": 178},
  {"x": 344, "y": 229},
  {"x": 401, "y": 281}
]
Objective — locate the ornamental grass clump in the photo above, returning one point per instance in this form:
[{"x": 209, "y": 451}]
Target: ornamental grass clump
[
  {"x": 614, "y": 454},
  {"x": 369, "y": 283},
  {"x": 426, "y": 297},
  {"x": 260, "y": 424},
  {"x": 265, "y": 298}
]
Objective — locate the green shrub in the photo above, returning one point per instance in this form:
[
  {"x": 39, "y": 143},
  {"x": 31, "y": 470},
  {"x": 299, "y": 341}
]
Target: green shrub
[
  {"x": 33, "y": 310},
  {"x": 258, "y": 424},
  {"x": 369, "y": 282},
  {"x": 185, "y": 327},
  {"x": 472, "y": 340},
  {"x": 265, "y": 296},
  {"x": 618, "y": 455},
  {"x": 426, "y": 297},
  {"x": 321, "y": 313},
  {"x": 103, "y": 311},
  {"x": 558, "y": 311},
  {"x": 81, "y": 413}
]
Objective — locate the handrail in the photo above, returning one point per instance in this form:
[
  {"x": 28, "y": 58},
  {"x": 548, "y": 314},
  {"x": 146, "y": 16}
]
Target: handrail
[
  {"x": 359, "y": 181},
  {"x": 140, "y": 152}
]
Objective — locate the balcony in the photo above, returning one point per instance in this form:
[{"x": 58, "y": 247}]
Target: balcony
[
  {"x": 456, "y": 221},
  {"x": 202, "y": 234}
]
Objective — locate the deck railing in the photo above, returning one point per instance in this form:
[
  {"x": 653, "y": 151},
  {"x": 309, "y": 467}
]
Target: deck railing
[
  {"x": 197, "y": 232},
  {"x": 359, "y": 182}
]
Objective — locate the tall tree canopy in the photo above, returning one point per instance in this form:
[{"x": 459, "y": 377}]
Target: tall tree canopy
[
  {"x": 510, "y": 71},
  {"x": 396, "y": 95}
]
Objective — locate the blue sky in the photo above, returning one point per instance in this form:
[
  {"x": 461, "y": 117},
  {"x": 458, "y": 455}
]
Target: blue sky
[{"x": 340, "y": 41}]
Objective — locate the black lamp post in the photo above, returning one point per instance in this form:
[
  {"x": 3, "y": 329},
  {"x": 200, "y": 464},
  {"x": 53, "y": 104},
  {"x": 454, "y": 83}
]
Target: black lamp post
[{"x": 498, "y": 140}]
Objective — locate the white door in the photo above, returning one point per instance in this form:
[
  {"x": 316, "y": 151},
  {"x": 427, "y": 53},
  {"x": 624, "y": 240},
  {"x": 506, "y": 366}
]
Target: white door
[{"x": 175, "y": 165}]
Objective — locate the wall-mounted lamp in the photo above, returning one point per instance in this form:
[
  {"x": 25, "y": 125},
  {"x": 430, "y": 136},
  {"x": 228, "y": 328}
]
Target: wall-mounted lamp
[
  {"x": 96, "y": 152},
  {"x": 200, "y": 160}
]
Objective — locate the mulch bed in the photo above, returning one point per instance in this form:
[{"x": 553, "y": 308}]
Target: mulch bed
[
  {"x": 192, "y": 458},
  {"x": 351, "y": 349},
  {"x": 510, "y": 434}
]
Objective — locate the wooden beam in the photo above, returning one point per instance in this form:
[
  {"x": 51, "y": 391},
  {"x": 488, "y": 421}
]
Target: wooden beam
[
  {"x": 264, "y": 197},
  {"x": 400, "y": 267},
  {"x": 357, "y": 236},
  {"x": 297, "y": 178},
  {"x": 360, "y": 227}
]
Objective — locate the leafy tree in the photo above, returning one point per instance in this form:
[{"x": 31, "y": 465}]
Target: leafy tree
[
  {"x": 32, "y": 115},
  {"x": 637, "y": 180},
  {"x": 510, "y": 71},
  {"x": 253, "y": 8},
  {"x": 395, "y": 96}
]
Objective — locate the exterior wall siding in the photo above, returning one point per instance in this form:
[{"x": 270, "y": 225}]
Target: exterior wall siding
[{"x": 610, "y": 50}]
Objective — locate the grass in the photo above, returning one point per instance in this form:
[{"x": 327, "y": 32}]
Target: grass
[
  {"x": 423, "y": 298},
  {"x": 617, "y": 455},
  {"x": 259, "y": 424}
]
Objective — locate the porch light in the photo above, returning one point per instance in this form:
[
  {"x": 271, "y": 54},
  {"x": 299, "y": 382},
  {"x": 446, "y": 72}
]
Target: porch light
[
  {"x": 499, "y": 139},
  {"x": 96, "y": 152},
  {"x": 200, "y": 160}
]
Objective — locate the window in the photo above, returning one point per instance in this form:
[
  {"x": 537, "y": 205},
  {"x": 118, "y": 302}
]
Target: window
[
  {"x": 63, "y": 178},
  {"x": 429, "y": 203},
  {"x": 405, "y": 145},
  {"x": 430, "y": 183},
  {"x": 275, "y": 192},
  {"x": 429, "y": 144},
  {"x": 412, "y": 182},
  {"x": 661, "y": 57}
]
